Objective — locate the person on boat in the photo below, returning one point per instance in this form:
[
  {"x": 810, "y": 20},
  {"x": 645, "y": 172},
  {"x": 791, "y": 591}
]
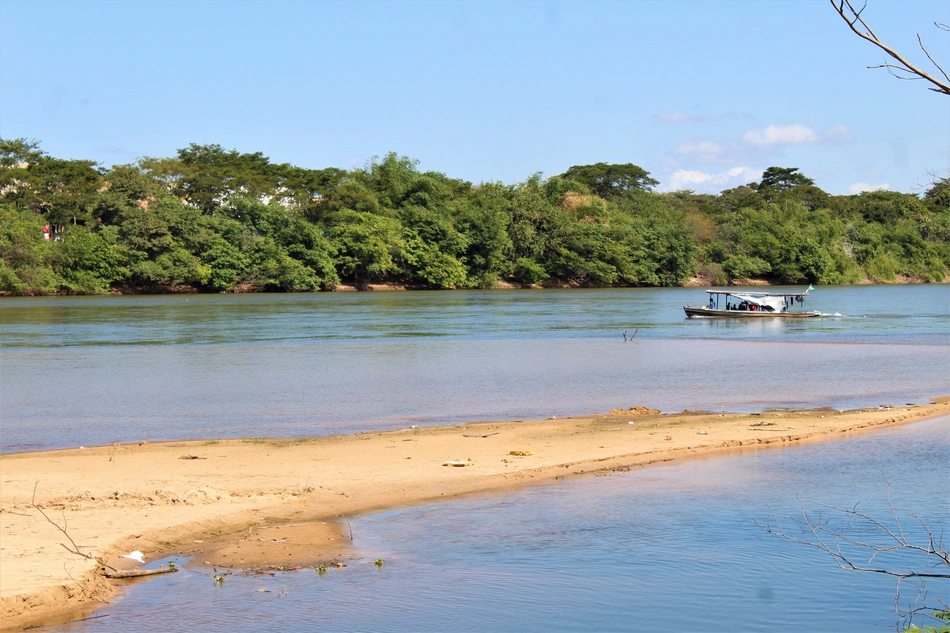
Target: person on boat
[{"x": 712, "y": 302}]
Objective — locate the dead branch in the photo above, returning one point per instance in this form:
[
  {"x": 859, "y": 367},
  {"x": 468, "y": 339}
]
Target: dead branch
[
  {"x": 909, "y": 71},
  {"x": 138, "y": 573},
  {"x": 855, "y": 540},
  {"x": 90, "y": 596},
  {"x": 75, "y": 548}
]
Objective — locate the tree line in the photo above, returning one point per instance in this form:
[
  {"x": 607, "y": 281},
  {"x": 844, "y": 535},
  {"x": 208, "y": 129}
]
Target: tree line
[{"x": 215, "y": 220}]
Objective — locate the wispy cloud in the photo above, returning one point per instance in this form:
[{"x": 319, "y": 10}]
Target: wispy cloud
[
  {"x": 704, "y": 150},
  {"x": 682, "y": 117},
  {"x": 858, "y": 187},
  {"x": 797, "y": 134},
  {"x": 837, "y": 134}
]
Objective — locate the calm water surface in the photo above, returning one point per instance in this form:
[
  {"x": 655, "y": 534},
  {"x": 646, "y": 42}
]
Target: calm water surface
[
  {"x": 96, "y": 370},
  {"x": 669, "y": 548}
]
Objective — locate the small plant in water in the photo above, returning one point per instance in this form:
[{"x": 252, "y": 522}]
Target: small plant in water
[
  {"x": 219, "y": 579},
  {"x": 379, "y": 562},
  {"x": 322, "y": 569},
  {"x": 172, "y": 565}
]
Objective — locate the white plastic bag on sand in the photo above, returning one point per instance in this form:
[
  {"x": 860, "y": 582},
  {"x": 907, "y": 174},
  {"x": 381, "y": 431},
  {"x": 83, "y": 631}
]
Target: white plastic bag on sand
[{"x": 136, "y": 555}]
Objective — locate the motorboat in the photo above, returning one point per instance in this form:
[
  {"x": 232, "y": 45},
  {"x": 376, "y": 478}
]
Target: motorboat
[{"x": 739, "y": 304}]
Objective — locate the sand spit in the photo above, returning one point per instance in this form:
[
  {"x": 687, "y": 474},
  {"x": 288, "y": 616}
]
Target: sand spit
[{"x": 263, "y": 504}]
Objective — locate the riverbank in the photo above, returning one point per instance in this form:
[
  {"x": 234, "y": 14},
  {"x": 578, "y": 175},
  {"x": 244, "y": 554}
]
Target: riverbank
[
  {"x": 256, "y": 503},
  {"x": 397, "y": 286}
]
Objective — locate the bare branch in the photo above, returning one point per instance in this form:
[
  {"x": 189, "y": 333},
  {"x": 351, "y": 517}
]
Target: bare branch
[
  {"x": 75, "y": 548},
  {"x": 856, "y": 23},
  {"x": 846, "y": 533},
  {"x": 932, "y": 61}
]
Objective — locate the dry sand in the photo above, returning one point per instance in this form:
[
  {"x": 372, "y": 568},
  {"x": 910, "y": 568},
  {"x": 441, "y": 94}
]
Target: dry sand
[{"x": 253, "y": 504}]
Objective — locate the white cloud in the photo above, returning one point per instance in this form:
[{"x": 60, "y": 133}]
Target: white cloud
[
  {"x": 858, "y": 187},
  {"x": 796, "y": 134},
  {"x": 691, "y": 179},
  {"x": 682, "y": 178}
]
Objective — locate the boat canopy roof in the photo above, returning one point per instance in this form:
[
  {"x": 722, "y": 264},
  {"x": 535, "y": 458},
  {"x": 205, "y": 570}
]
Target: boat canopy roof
[
  {"x": 776, "y": 303},
  {"x": 745, "y": 295}
]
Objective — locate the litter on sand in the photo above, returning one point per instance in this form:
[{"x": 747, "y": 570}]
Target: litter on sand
[
  {"x": 521, "y": 453},
  {"x": 136, "y": 555},
  {"x": 459, "y": 463}
]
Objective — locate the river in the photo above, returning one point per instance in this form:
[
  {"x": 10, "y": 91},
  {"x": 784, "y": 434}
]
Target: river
[{"x": 80, "y": 371}]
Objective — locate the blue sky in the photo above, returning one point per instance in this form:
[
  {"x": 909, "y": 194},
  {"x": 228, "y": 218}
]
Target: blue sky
[{"x": 702, "y": 94}]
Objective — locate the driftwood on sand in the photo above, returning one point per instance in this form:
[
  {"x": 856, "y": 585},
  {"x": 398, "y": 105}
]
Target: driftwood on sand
[{"x": 138, "y": 573}]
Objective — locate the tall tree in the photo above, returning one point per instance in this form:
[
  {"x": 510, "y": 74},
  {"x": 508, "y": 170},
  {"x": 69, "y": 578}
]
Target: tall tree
[
  {"x": 606, "y": 180},
  {"x": 783, "y": 178}
]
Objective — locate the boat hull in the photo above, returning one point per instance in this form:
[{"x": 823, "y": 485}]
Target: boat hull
[{"x": 711, "y": 313}]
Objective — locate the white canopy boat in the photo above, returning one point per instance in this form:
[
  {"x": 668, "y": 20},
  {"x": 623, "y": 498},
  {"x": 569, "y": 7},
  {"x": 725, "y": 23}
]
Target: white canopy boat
[{"x": 731, "y": 304}]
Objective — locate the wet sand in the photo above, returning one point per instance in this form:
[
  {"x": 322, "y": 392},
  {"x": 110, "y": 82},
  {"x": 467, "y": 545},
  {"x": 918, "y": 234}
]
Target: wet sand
[{"x": 271, "y": 504}]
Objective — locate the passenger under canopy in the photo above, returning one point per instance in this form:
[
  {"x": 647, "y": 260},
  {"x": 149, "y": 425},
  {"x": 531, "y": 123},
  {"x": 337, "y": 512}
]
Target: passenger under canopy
[{"x": 769, "y": 303}]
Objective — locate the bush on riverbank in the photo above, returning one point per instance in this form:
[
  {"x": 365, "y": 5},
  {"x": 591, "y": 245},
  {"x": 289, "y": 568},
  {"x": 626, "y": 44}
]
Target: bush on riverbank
[{"x": 215, "y": 220}]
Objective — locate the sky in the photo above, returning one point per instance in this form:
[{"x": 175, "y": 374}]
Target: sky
[{"x": 703, "y": 94}]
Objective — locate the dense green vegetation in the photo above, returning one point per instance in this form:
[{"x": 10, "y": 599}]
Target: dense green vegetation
[{"x": 217, "y": 220}]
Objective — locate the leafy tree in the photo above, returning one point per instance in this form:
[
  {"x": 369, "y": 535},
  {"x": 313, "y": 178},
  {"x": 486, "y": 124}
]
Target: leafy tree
[
  {"x": 390, "y": 179},
  {"x": 209, "y": 177},
  {"x": 606, "y": 180},
  {"x": 369, "y": 245},
  {"x": 783, "y": 178},
  {"x": 483, "y": 218},
  {"x": 939, "y": 193},
  {"x": 25, "y": 255},
  {"x": 19, "y": 152},
  {"x": 887, "y": 207},
  {"x": 89, "y": 261}
]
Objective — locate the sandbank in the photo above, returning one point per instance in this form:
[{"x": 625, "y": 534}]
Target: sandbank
[{"x": 271, "y": 504}]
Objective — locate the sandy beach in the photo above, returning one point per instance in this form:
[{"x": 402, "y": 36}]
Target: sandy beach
[{"x": 268, "y": 504}]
